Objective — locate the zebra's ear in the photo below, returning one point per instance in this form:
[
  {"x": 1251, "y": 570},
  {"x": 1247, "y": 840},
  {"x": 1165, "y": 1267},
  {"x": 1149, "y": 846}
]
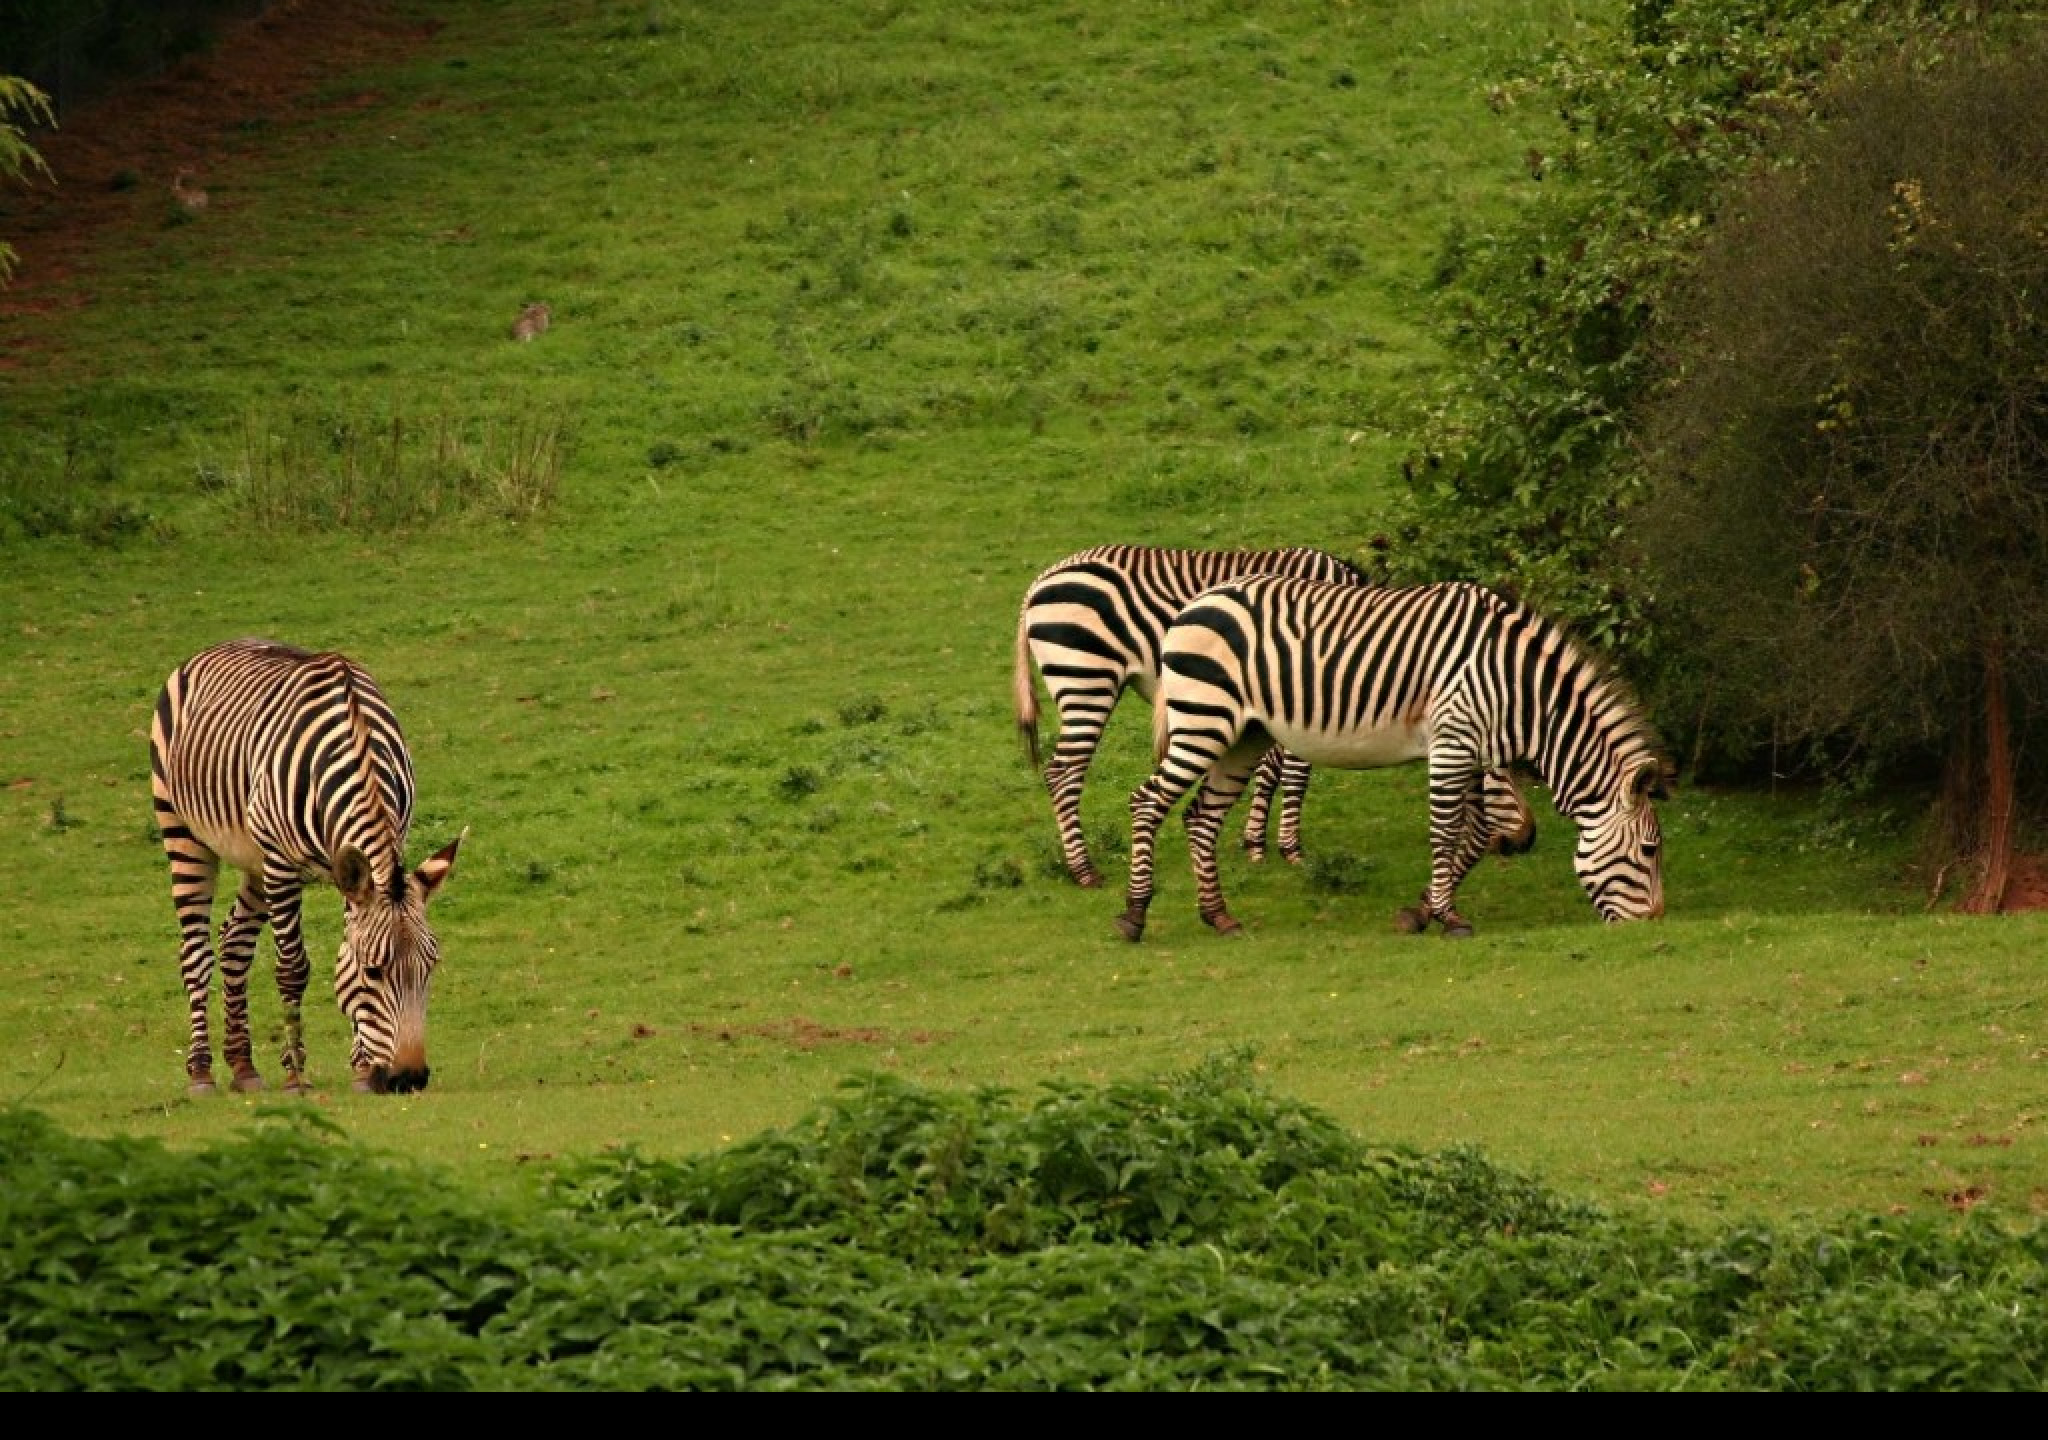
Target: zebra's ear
[
  {"x": 436, "y": 868},
  {"x": 352, "y": 874},
  {"x": 1648, "y": 782}
]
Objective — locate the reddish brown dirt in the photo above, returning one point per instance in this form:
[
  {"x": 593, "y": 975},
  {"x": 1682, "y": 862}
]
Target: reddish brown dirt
[
  {"x": 112, "y": 161},
  {"x": 2027, "y": 885},
  {"x": 804, "y": 1033}
]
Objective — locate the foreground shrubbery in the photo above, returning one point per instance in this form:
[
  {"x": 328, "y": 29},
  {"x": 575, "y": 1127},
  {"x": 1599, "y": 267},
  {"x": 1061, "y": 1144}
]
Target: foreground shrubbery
[{"x": 1191, "y": 1233}]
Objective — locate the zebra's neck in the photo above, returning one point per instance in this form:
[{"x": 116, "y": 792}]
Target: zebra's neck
[{"x": 1568, "y": 717}]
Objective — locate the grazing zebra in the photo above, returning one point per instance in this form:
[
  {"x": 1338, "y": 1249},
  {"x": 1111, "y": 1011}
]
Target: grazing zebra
[
  {"x": 1093, "y": 625},
  {"x": 291, "y": 767},
  {"x": 1361, "y": 678}
]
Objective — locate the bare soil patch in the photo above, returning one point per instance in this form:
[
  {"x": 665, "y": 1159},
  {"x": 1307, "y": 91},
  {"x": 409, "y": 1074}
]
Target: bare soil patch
[
  {"x": 113, "y": 162},
  {"x": 804, "y": 1033}
]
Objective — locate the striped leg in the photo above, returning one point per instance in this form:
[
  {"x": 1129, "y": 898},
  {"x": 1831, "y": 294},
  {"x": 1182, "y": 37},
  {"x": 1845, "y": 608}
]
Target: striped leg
[
  {"x": 1150, "y": 803},
  {"x": 1083, "y": 713},
  {"x": 238, "y": 936},
  {"x": 1284, "y": 774},
  {"x": 362, "y": 1068},
  {"x": 1294, "y": 773},
  {"x": 1258, "y": 811},
  {"x": 293, "y": 972},
  {"x": 1457, "y": 838},
  {"x": 1205, "y": 819},
  {"x": 194, "y": 869}
]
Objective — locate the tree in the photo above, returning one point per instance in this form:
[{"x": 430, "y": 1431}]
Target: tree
[
  {"x": 23, "y": 101},
  {"x": 1850, "y": 458},
  {"x": 1526, "y": 467}
]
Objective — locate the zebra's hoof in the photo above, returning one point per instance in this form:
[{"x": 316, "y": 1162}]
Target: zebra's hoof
[
  {"x": 297, "y": 1087},
  {"x": 1293, "y": 857},
  {"x": 248, "y": 1084},
  {"x": 1256, "y": 854},
  {"x": 1224, "y": 925},
  {"x": 202, "y": 1085},
  {"x": 1410, "y": 921},
  {"x": 1131, "y": 927},
  {"x": 1457, "y": 930},
  {"x": 1089, "y": 881}
]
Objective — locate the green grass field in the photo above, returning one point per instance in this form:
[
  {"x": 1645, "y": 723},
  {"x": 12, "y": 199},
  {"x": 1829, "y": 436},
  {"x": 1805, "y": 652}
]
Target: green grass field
[{"x": 862, "y": 315}]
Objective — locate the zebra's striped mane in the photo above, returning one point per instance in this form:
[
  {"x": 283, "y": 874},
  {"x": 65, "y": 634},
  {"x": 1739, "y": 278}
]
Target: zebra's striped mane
[
  {"x": 382, "y": 821},
  {"x": 1632, "y": 728}
]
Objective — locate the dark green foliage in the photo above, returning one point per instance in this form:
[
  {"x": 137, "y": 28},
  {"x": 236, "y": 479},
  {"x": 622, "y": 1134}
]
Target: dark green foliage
[
  {"x": 1852, "y": 443},
  {"x": 998, "y": 872},
  {"x": 21, "y": 105},
  {"x": 1196, "y": 1232},
  {"x": 799, "y": 782},
  {"x": 1527, "y": 474}
]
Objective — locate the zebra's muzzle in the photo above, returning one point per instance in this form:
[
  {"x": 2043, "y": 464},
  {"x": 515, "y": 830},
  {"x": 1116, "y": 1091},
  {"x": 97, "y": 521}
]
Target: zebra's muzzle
[
  {"x": 404, "y": 1082},
  {"x": 383, "y": 1080}
]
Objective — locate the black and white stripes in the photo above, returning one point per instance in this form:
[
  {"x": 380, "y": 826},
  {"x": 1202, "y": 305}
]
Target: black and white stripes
[
  {"x": 1360, "y": 678},
  {"x": 1093, "y": 624},
  {"x": 291, "y": 767}
]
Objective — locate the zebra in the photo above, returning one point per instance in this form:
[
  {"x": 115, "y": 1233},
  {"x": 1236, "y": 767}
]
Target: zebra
[
  {"x": 1361, "y": 678},
  {"x": 1092, "y": 624},
  {"x": 290, "y": 766}
]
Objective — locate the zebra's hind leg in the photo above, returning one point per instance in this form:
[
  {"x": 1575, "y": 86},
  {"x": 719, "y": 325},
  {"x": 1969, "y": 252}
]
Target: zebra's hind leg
[
  {"x": 1204, "y": 821},
  {"x": 194, "y": 870},
  {"x": 1063, "y": 780},
  {"x": 1150, "y": 803},
  {"x": 238, "y": 936},
  {"x": 1294, "y": 773}
]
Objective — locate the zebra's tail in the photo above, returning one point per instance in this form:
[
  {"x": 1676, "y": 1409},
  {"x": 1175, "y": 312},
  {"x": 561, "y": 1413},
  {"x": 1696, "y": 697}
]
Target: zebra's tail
[
  {"x": 1162, "y": 727},
  {"x": 1025, "y": 692}
]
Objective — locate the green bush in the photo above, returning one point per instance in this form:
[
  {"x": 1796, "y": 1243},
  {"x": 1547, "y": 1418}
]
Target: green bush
[
  {"x": 1193, "y": 1232},
  {"x": 1528, "y": 470}
]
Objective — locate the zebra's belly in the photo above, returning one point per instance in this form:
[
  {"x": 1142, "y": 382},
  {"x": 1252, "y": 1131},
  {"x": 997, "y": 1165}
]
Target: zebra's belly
[
  {"x": 231, "y": 842},
  {"x": 1362, "y": 749}
]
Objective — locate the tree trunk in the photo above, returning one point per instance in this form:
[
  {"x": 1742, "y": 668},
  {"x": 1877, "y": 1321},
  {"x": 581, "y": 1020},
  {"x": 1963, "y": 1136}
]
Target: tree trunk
[{"x": 1995, "y": 817}]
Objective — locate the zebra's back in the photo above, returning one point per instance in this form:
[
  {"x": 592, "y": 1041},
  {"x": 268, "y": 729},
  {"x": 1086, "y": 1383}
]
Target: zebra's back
[
  {"x": 259, "y": 747},
  {"x": 1341, "y": 675}
]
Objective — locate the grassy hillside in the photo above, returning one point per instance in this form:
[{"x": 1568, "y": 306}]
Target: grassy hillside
[{"x": 862, "y": 315}]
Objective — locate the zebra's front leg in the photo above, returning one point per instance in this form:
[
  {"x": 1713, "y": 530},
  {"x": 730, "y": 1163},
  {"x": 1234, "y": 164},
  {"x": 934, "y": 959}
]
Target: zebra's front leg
[
  {"x": 293, "y": 973},
  {"x": 1457, "y": 838},
  {"x": 238, "y": 936}
]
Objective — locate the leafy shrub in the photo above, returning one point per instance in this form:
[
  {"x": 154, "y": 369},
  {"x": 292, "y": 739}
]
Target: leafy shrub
[
  {"x": 1527, "y": 475},
  {"x": 1192, "y": 1232}
]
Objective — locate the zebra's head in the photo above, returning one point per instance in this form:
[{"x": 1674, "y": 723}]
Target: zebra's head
[
  {"x": 387, "y": 959},
  {"x": 1620, "y": 852}
]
